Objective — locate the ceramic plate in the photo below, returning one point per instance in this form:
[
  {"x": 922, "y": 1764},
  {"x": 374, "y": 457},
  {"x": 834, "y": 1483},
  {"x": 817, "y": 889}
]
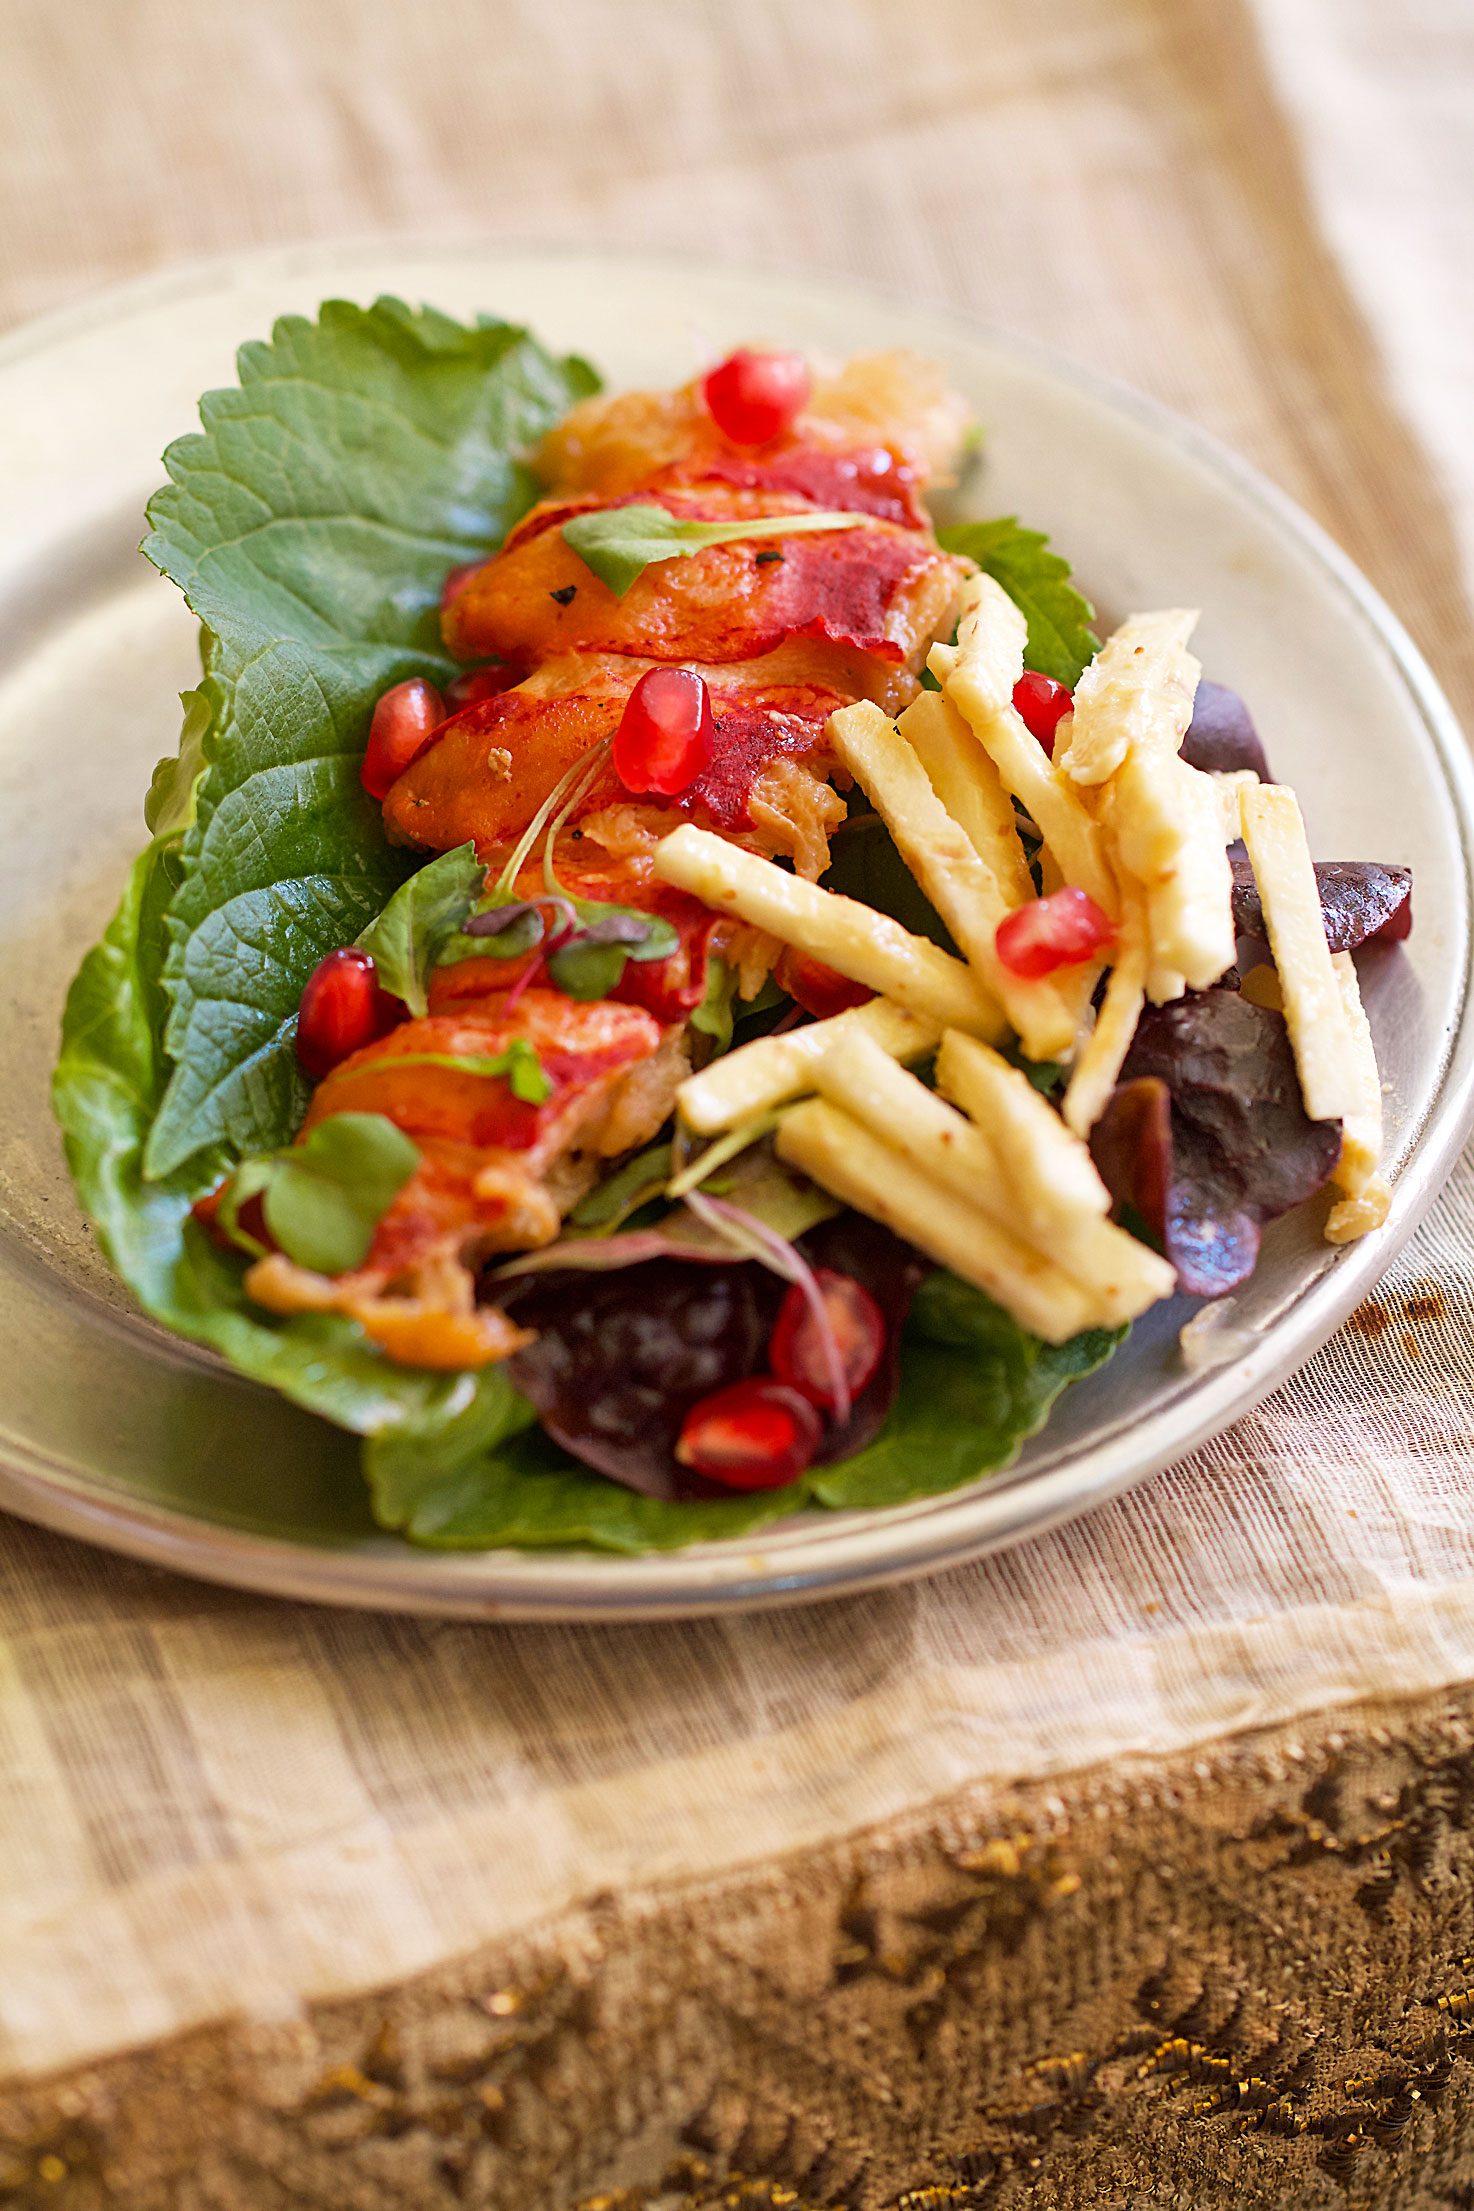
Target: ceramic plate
[{"x": 111, "y": 1430}]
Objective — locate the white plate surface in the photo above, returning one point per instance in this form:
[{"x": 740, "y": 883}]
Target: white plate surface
[{"x": 111, "y": 1430}]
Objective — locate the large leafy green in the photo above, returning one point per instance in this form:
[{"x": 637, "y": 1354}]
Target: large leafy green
[
  {"x": 310, "y": 525},
  {"x": 108, "y": 1085},
  {"x": 1038, "y": 581}
]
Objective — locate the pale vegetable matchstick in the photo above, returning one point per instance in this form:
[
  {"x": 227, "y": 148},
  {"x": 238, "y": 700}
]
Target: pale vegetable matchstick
[
  {"x": 863, "y": 1170},
  {"x": 1367, "y": 1195},
  {"x": 1135, "y": 696},
  {"x": 1329, "y": 1035},
  {"x": 1055, "y": 1197},
  {"x": 1103, "y": 1054},
  {"x": 1164, "y": 820},
  {"x": 773, "y": 1069},
  {"x": 953, "y": 874},
  {"x": 978, "y": 674},
  {"x": 865, "y": 945},
  {"x": 969, "y": 786},
  {"x": 1013, "y": 1159},
  {"x": 1315, "y": 1013}
]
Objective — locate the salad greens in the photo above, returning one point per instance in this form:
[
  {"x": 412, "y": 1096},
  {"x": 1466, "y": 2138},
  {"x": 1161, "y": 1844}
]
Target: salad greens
[
  {"x": 407, "y": 939},
  {"x": 974, "y": 1387},
  {"x": 310, "y": 526},
  {"x": 322, "y": 1199},
  {"x": 589, "y": 946},
  {"x": 1038, "y": 581}
]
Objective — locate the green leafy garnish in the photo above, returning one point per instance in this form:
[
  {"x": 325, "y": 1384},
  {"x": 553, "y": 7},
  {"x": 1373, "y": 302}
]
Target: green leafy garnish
[
  {"x": 1038, "y": 582},
  {"x": 718, "y": 1153},
  {"x": 322, "y": 1199},
  {"x": 1044, "y": 1074},
  {"x": 592, "y": 961},
  {"x": 523, "y": 930},
  {"x": 518, "y": 1065},
  {"x": 589, "y": 962},
  {"x": 713, "y": 1017},
  {"x": 619, "y": 543},
  {"x": 310, "y": 527},
  {"x": 407, "y": 939},
  {"x": 866, "y": 864},
  {"x": 610, "y": 1203}
]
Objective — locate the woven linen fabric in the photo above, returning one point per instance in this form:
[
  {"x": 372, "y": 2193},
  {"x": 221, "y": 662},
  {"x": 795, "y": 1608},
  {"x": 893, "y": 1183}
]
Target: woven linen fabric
[{"x": 210, "y": 1802}]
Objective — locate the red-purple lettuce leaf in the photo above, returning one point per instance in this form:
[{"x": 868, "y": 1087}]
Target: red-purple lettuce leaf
[
  {"x": 620, "y": 1358},
  {"x": 1206, "y": 1136}
]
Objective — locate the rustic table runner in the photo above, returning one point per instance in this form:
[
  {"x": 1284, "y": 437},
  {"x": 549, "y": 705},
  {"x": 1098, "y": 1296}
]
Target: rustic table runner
[{"x": 979, "y": 1885}]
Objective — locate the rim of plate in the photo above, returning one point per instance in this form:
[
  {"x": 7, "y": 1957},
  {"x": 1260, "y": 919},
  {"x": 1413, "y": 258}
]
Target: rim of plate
[{"x": 796, "y": 1562}]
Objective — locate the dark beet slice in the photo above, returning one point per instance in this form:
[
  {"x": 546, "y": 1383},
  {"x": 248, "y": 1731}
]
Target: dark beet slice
[
  {"x": 1206, "y": 1135},
  {"x": 1221, "y": 735},
  {"x": 620, "y": 1358},
  {"x": 1359, "y": 899}
]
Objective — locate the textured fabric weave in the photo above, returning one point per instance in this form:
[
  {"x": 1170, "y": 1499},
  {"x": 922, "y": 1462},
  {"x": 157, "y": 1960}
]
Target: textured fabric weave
[{"x": 209, "y": 1801}]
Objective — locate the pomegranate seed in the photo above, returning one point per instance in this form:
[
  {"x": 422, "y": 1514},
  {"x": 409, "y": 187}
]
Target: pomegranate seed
[
  {"x": 404, "y": 721},
  {"x": 1042, "y": 705},
  {"x": 478, "y": 684},
  {"x": 666, "y": 734},
  {"x": 797, "y": 1356},
  {"x": 1058, "y": 931},
  {"x": 820, "y": 989},
  {"x": 456, "y": 582},
  {"x": 753, "y": 397},
  {"x": 751, "y": 1435},
  {"x": 342, "y": 1009}
]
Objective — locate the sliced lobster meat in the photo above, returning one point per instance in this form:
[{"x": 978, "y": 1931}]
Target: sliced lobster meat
[
  {"x": 895, "y": 402},
  {"x": 496, "y": 1172},
  {"x": 489, "y": 768},
  {"x": 877, "y": 588}
]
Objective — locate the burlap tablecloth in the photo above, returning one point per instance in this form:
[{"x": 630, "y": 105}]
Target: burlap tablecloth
[{"x": 1050, "y": 1879}]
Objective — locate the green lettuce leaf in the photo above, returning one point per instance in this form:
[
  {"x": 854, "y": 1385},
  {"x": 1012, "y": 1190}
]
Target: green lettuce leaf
[
  {"x": 106, "y": 1091},
  {"x": 322, "y": 1199},
  {"x": 310, "y": 526},
  {"x": 406, "y": 940},
  {"x": 1038, "y": 582}
]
